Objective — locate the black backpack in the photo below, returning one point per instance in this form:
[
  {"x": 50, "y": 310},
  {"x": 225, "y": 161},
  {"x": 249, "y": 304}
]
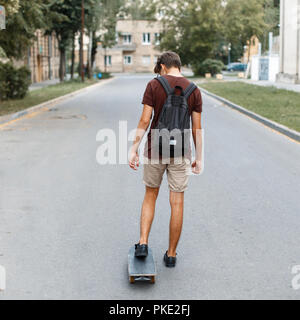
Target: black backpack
[{"x": 172, "y": 134}]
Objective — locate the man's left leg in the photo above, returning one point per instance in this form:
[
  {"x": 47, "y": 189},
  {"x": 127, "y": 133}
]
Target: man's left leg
[
  {"x": 152, "y": 179},
  {"x": 147, "y": 214}
]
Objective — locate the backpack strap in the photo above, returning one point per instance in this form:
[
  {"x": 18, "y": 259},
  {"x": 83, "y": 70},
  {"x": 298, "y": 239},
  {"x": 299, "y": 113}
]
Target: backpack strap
[
  {"x": 164, "y": 82},
  {"x": 189, "y": 90}
]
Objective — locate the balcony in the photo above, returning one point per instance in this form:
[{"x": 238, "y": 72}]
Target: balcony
[{"x": 126, "y": 47}]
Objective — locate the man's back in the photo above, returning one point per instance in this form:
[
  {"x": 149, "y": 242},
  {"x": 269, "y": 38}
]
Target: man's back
[{"x": 155, "y": 97}]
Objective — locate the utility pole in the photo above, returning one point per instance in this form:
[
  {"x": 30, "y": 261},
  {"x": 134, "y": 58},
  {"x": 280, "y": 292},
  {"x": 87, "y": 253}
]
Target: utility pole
[{"x": 81, "y": 42}]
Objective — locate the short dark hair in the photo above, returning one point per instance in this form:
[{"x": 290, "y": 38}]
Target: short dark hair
[{"x": 169, "y": 59}]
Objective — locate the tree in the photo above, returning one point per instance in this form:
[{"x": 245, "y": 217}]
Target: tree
[
  {"x": 22, "y": 21},
  {"x": 62, "y": 20},
  {"x": 92, "y": 22},
  {"x": 11, "y": 6},
  {"x": 244, "y": 19},
  {"x": 75, "y": 25},
  {"x": 109, "y": 13},
  {"x": 138, "y": 10},
  {"x": 272, "y": 20},
  {"x": 192, "y": 29}
]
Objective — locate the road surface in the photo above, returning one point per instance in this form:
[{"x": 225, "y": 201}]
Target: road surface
[{"x": 66, "y": 222}]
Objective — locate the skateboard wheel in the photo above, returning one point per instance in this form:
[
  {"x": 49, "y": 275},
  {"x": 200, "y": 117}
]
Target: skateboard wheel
[
  {"x": 152, "y": 279},
  {"x": 131, "y": 279}
]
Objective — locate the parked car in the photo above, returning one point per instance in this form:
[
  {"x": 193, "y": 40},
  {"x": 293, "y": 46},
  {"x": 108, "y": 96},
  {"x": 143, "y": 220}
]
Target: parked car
[{"x": 237, "y": 66}]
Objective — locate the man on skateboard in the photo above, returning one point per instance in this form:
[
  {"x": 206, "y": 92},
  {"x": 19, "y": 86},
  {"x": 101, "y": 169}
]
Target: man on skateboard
[{"x": 158, "y": 97}]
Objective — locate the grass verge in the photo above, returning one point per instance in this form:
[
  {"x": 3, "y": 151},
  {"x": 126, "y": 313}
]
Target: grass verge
[
  {"x": 42, "y": 95},
  {"x": 278, "y": 105}
]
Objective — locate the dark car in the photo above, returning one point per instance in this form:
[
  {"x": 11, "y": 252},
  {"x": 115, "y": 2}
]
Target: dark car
[{"x": 237, "y": 66}]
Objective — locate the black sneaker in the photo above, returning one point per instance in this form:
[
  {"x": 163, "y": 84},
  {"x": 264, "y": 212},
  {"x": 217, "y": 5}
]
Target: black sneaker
[
  {"x": 170, "y": 262},
  {"x": 141, "y": 250}
]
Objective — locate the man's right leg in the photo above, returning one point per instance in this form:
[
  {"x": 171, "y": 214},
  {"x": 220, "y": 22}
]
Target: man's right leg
[
  {"x": 147, "y": 215},
  {"x": 176, "y": 202},
  {"x": 178, "y": 179}
]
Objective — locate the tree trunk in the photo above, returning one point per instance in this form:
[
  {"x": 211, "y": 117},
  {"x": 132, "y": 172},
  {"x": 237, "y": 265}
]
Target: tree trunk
[
  {"x": 73, "y": 57},
  {"x": 94, "y": 50},
  {"x": 90, "y": 55},
  {"x": 79, "y": 64},
  {"x": 62, "y": 64},
  {"x": 105, "y": 60},
  {"x": 81, "y": 42}
]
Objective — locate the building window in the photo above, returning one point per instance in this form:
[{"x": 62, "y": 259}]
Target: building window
[
  {"x": 107, "y": 60},
  {"x": 157, "y": 38},
  {"x": 146, "y": 38},
  {"x": 127, "y": 60},
  {"x": 146, "y": 60},
  {"x": 127, "y": 39}
]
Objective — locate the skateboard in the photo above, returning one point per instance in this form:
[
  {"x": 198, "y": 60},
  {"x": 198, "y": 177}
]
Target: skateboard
[{"x": 141, "y": 269}]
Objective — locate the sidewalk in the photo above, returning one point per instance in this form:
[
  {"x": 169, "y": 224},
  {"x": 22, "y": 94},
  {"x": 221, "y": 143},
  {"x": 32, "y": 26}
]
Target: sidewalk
[
  {"x": 278, "y": 85},
  {"x": 43, "y": 84},
  {"x": 46, "y": 83}
]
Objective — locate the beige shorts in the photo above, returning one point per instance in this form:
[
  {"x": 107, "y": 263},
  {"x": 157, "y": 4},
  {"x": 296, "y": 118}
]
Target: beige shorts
[{"x": 177, "y": 174}]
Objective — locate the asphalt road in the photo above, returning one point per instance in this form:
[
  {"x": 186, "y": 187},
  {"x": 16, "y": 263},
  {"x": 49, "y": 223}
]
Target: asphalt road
[{"x": 66, "y": 222}]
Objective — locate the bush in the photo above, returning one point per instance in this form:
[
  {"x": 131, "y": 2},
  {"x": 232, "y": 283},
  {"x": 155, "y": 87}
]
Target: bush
[
  {"x": 208, "y": 66},
  {"x": 105, "y": 75},
  {"x": 14, "y": 82}
]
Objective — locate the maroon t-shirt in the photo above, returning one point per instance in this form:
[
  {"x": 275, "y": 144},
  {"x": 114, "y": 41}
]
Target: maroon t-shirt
[{"x": 155, "y": 97}]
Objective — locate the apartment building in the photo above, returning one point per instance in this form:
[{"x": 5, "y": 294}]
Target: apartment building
[
  {"x": 42, "y": 58},
  {"x": 136, "y": 48}
]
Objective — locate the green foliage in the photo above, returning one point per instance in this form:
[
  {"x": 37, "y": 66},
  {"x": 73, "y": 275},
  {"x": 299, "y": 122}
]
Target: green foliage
[
  {"x": 36, "y": 97},
  {"x": 23, "y": 19},
  {"x": 138, "y": 10},
  {"x": 202, "y": 29},
  {"x": 192, "y": 29},
  {"x": 208, "y": 66},
  {"x": 244, "y": 19},
  {"x": 272, "y": 20},
  {"x": 104, "y": 75},
  {"x": 108, "y": 16},
  {"x": 2, "y": 53},
  {"x": 11, "y": 6},
  {"x": 14, "y": 82}
]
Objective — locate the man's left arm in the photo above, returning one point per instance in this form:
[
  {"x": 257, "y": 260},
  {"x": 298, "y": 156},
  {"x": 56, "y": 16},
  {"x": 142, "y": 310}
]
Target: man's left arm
[{"x": 140, "y": 132}]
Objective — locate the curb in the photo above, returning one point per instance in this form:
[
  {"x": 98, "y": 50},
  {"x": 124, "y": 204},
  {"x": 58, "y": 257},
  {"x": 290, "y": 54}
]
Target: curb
[
  {"x": 20, "y": 114},
  {"x": 269, "y": 123}
]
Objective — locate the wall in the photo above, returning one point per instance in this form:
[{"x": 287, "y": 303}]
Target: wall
[
  {"x": 255, "y": 68},
  {"x": 273, "y": 67},
  {"x": 289, "y": 41}
]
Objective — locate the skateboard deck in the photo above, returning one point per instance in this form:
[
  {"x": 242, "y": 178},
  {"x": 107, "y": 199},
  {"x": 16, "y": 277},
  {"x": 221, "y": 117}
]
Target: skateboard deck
[{"x": 141, "y": 269}]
